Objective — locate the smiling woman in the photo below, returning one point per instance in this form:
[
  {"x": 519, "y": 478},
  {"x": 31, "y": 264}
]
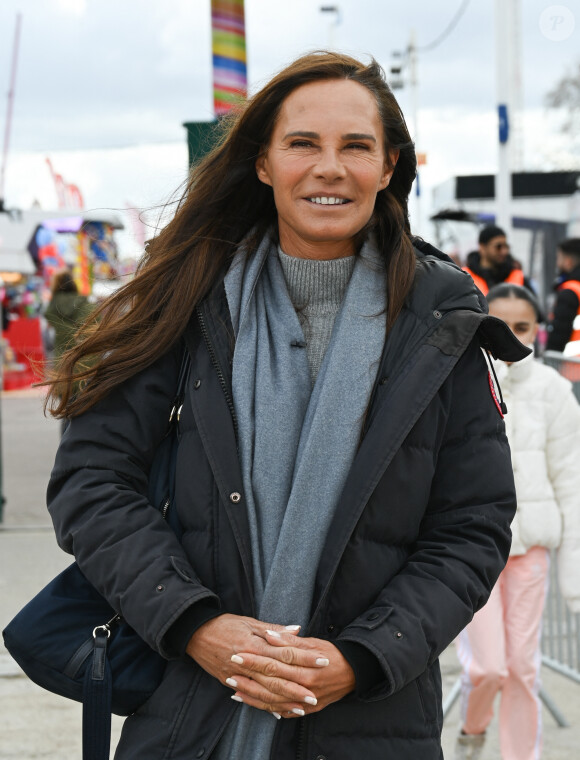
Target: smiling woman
[{"x": 332, "y": 544}]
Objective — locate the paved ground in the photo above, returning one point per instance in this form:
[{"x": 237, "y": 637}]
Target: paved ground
[{"x": 37, "y": 724}]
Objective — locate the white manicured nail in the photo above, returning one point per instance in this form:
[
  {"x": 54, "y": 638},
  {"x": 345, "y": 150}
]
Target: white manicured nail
[
  {"x": 236, "y": 698},
  {"x": 311, "y": 700},
  {"x": 237, "y": 659},
  {"x": 232, "y": 682},
  {"x": 277, "y": 716},
  {"x": 273, "y": 633},
  {"x": 298, "y": 711},
  {"x": 292, "y": 627},
  {"x": 321, "y": 662}
]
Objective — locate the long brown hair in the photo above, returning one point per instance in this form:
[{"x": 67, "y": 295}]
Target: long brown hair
[{"x": 224, "y": 201}]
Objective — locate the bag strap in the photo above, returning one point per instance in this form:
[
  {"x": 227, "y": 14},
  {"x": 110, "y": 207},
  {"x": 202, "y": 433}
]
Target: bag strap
[
  {"x": 97, "y": 700},
  {"x": 98, "y": 683}
]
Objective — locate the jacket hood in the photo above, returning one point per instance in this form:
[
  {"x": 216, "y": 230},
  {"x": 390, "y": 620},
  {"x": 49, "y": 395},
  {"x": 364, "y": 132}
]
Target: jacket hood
[
  {"x": 449, "y": 285},
  {"x": 440, "y": 281}
]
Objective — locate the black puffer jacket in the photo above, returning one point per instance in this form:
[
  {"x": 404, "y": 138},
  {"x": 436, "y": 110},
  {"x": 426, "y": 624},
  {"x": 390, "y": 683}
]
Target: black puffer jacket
[{"x": 419, "y": 536}]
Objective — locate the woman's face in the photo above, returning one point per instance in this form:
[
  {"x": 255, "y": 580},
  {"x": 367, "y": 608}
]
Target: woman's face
[
  {"x": 519, "y": 316},
  {"x": 325, "y": 162}
]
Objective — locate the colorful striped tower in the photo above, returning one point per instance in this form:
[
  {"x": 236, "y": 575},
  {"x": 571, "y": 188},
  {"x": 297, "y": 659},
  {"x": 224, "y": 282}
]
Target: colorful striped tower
[{"x": 228, "y": 33}]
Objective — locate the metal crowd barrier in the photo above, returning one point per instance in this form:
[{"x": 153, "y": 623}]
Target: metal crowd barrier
[
  {"x": 560, "y": 644},
  {"x": 560, "y": 632},
  {"x": 567, "y": 366}
]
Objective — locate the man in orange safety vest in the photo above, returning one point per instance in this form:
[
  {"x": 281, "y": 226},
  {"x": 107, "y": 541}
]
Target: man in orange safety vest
[
  {"x": 564, "y": 325},
  {"x": 492, "y": 263}
]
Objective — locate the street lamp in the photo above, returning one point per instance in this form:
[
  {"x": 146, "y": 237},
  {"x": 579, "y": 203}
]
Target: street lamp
[
  {"x": 335, "y": 11},
  {"x": 396, "y": 81},
  {"x": 403, "y": 70}
]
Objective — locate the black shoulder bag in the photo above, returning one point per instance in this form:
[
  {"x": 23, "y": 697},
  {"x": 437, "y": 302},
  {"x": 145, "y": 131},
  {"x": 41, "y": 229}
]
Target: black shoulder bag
[{"x": 70, "y": 641}]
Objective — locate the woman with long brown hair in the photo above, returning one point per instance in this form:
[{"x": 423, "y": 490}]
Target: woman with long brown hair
[{"x": 338, "y": 529}]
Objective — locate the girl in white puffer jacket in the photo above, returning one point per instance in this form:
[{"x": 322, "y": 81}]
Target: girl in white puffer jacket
[{"x": 500, "y": 648}]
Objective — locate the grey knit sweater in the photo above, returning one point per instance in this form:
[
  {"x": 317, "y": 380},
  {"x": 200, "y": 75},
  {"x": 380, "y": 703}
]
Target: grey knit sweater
[{"x": 316, "y": 289}]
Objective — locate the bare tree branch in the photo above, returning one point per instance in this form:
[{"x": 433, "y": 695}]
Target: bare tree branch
[{"x": 566, "y": 96}]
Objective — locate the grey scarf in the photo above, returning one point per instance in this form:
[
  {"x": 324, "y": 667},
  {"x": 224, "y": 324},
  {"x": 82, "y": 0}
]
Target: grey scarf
[{"x": 296, "y": 443}]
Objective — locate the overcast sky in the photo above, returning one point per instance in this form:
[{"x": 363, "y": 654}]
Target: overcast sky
[{"x": 103, "y": 86}]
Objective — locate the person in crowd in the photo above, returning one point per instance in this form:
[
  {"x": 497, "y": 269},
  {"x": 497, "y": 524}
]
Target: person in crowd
[
  {"x": 564, "y": 326},
  {"x": 303, "y": 609},
  {"x": 493, "y": 263},
  {"x": 500, "y": 649},
  {"x": 66, "y": 311}
]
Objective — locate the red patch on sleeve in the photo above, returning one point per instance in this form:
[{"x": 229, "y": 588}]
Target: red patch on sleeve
[{"x": 494, "y": 394}]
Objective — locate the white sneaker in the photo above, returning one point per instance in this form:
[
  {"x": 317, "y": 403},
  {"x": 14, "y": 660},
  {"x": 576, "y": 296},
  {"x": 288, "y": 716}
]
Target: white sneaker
[{"x": 469, "y": 746}]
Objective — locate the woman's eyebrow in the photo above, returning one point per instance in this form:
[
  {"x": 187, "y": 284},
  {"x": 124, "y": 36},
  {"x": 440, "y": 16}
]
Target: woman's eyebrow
[
  {"x": 300, "y": 133},
  {"x": 359, "y": 136},
  {"x": 316, "y": 136}
]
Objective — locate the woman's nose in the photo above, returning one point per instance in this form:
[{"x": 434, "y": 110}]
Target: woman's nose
[{"x": 329, "y": 165}]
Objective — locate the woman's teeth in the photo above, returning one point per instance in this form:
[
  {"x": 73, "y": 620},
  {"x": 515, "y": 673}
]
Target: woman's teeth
[{"x": 328, "y": 201}]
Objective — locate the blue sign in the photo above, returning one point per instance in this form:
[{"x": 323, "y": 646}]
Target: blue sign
[{"x": 504, "y": 125}]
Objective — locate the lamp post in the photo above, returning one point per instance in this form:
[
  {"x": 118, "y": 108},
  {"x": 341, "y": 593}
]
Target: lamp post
[
  {"x": 403, "y": 70},
  {"x": 508, "y": 91},
  {"x": 334, "y": 11}
]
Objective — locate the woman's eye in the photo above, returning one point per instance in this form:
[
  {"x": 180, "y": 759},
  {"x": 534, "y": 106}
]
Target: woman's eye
[
  {"x": 358, "y": 146},
  {"x": 300, "y": 144}
]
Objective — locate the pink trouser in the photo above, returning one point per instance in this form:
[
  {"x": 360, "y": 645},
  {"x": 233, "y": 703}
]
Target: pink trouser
[{"x": 500, "y": 649}]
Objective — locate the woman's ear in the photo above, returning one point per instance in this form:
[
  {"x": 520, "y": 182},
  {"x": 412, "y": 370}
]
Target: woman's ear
[
  {"x": 390, "y": 164},
  {"x": 262, "y": 169}
]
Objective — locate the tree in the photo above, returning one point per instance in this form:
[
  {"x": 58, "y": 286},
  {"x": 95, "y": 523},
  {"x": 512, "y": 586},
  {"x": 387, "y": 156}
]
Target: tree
[
  {"x": 566, "y": 96},
  {"x": 563, "y": 101}
]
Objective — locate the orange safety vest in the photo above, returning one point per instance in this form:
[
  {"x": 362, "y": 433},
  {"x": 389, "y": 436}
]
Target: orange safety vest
[
  {"x": 515, "y": 277},
  {"x": 574, "y": 286}
]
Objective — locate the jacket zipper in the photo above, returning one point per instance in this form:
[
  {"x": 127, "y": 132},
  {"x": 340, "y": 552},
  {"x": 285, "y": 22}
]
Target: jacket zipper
[
  {"x": 217, "y": 367},
  {"x": 225, "y": 389},
  {"x": 300, "y": 742}
]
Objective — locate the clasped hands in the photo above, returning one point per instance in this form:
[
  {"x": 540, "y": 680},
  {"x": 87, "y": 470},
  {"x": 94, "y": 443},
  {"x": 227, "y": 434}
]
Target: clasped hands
[{"x": 270, "y": 667}]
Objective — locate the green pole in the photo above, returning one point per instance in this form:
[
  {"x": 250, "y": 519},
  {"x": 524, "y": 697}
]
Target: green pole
[{"x": 201, "y": 137}]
